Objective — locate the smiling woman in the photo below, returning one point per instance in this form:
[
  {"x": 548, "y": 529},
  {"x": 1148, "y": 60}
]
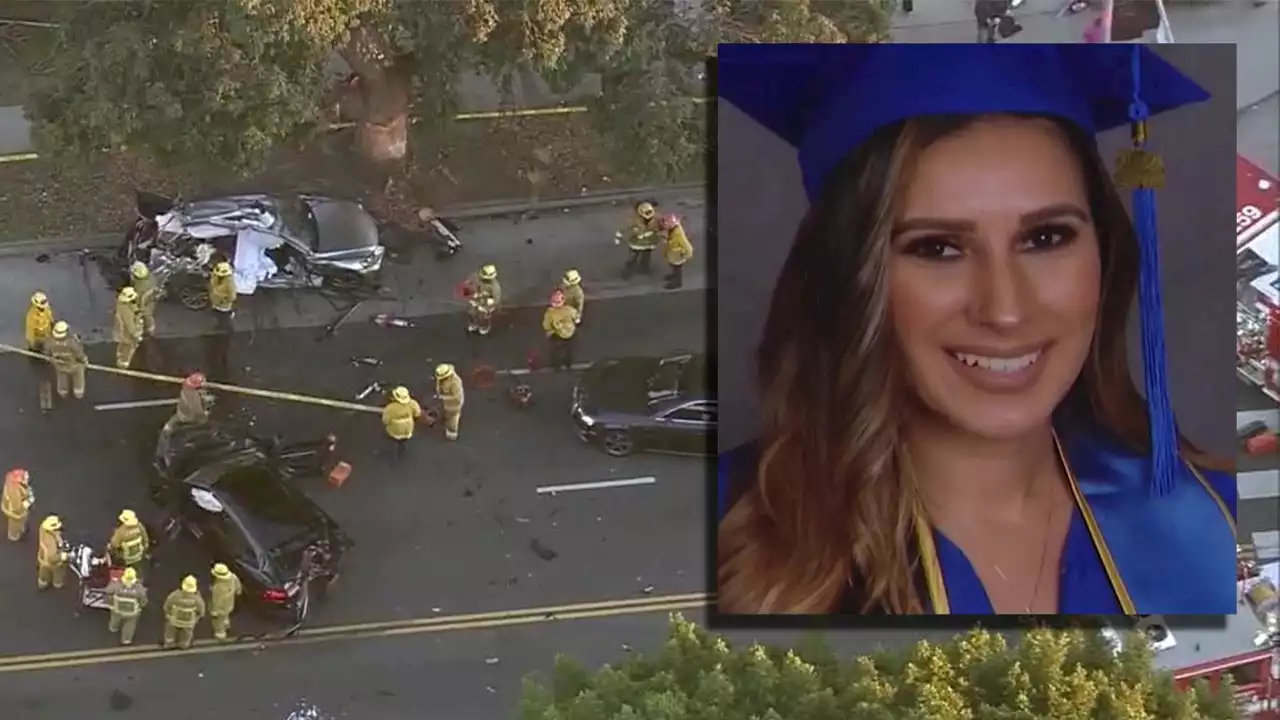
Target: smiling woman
[{"x": 950, "y": 425}]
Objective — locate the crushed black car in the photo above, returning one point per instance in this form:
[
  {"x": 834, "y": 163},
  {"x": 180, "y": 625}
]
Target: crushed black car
[
  {"x": 235, "y": 494},
  {"x": 635, "y": 404}
]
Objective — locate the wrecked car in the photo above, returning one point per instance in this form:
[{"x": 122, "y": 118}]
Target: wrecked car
[
  {"x": 272, "y": 241},
  {"x": 235, "y": 494}
]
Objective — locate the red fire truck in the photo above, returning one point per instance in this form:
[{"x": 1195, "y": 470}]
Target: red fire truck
[
  {"x": 1257, "y": 276},
  {"x": 1247, "y": 649}
]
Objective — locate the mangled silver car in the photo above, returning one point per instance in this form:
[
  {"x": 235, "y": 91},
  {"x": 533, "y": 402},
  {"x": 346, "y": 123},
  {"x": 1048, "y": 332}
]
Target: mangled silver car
[{"x": 271, "y": 241}]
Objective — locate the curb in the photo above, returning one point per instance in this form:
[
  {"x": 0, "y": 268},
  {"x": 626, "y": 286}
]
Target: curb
[{"x": 470, "y": 211}]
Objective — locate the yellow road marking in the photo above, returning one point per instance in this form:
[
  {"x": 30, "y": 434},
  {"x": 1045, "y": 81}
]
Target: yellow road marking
[
  {"x": 365, "y": 631},
  {"x": 173, "y": 380}
]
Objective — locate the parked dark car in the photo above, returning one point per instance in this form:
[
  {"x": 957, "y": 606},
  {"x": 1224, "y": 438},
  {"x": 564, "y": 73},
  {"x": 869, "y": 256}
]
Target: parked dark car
[
  {"x": 234, "y": 493},
  {"x": 634, "y": 404}
]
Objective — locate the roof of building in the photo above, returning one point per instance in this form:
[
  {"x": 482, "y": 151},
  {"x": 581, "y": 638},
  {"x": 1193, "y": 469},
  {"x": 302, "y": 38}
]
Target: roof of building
[{"x": 1201, "y": 641}]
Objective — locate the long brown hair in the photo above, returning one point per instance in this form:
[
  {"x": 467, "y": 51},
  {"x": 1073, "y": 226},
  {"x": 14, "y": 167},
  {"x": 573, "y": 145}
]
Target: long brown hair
[{"x": 826, "y": 508}]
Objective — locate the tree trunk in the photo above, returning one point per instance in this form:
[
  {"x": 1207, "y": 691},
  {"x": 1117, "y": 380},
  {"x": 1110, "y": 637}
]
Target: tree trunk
[{"x": 382, "y": 86}]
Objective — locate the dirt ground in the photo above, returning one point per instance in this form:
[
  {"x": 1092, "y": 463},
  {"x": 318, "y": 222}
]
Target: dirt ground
[{"x": 480, "y": 160}]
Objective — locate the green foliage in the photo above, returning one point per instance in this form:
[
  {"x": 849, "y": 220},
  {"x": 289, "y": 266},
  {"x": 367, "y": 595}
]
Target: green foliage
[
  {"x": 224, "y": 83},
  {"x": 221, "y": 82},
  {"x": 977, "y": 676}
]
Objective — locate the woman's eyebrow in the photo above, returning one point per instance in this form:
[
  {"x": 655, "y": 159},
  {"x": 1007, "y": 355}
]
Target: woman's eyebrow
[{"x": 1060, "y": 211}]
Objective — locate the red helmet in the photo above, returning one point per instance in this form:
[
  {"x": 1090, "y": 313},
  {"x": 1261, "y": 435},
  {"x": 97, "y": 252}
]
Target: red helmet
[
  {"x": 557, "y": 298},
  {"x": 16, "y": 476},
  {"x": 670, "y": 221},
  {"x": 194, "y": 381}
]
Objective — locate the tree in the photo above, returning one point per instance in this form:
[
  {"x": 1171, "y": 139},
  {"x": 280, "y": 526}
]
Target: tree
[
  {"x": 225, "y": 83},
  {"x": 1048, "y": 674}
]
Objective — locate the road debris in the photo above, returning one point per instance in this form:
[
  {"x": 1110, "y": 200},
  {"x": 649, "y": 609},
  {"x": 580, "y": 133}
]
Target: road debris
[
  {"x": 370, "y": 389},
  {"x": 389, "y": 320},
  {"x": 542, "y": 550},
  {"x": 332, "y": 328}
]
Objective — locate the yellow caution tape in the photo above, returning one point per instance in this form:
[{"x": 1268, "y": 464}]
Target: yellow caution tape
[{"x": 173, "y": 380}]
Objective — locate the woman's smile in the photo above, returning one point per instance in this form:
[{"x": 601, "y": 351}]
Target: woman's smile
[{"x": 1000, "y": 372}]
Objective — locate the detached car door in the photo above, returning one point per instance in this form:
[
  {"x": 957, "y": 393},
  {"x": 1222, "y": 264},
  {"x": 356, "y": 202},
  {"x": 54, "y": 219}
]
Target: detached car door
[{"x": 686, "y": 429}]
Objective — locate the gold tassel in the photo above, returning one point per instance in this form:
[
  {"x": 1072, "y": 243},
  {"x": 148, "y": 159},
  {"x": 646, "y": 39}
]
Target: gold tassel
[{"x": 1138, "y": 167}]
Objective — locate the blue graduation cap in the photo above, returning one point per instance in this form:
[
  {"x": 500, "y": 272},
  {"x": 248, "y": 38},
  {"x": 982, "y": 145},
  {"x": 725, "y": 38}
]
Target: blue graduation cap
[{"x": 826, "y": 100}]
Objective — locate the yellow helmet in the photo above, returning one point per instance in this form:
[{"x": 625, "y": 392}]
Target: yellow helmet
[
  {"x": 139, "y": 270},
  {"x": 129, "y": 576},
  {"x": 60, "y": 329},
  {"x": 646, "y": 210},
  {"x": 40, "y": 300},
  {"x": 189, "y": 584},
  {"x": 128, "y": 517},
  {"x": 51, "y": 523},
  {"x": 221, "y": 571},
  {"x": 444, "y": 370},
  {"x": 489, "y": 272},
  {"x": 128, "y": 295},
  {"x": 571, "y": 277},
  {"x": 222, "y": 269},
  {"x": 400, "y": 394}
]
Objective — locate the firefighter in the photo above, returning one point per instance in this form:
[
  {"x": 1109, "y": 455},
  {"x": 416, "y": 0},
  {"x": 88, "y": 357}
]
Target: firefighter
[
  {"x": 676, "y": 250},
  {"x": 69, "y": 359},
  {"x": 182, "y": 611},
  {"x": 222, "y": 296},
  {"x": 148, "y": 296},
  {"x": 449, "y": 391},
  {"x": 127, "y": 597},
  {"x": 51, "y": 558},
  {"x": 486, "y": 298},
  {"x": 191, "y": 408},
  {"x": 16, "y": 502},
  {"x": 39, "y": 322},
  {"x": 129, "y": 543},
  {"x": 128, "y": 327},
  {"x": 642, "y": 237},
  {"x": 560, "y": 322},
  {"x": 574, "y": 297},
  {"x": 223, "y": 592},
  {"x": 399, "y": 418}
]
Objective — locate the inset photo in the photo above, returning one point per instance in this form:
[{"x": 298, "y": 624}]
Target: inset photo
[{"x": 975, "y": 318}]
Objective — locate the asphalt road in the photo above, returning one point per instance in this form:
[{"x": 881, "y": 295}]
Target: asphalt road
[
  {"x": 453, "y": 528},
  {"x": 460, "y": 675}
]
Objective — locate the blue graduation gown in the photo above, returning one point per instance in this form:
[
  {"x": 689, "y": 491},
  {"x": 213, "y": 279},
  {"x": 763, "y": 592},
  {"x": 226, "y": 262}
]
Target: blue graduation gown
[{"x": 1126, "y": 552}]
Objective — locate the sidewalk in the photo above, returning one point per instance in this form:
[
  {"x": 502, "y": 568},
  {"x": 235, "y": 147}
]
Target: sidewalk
[
  {"x": 531, "y": 255},
  {"x": 1255, "y": 31}
]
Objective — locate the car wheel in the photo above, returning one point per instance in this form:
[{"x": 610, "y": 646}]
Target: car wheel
[
  {"x": 618, "y": 443},
  {"x": 193, "y": 297}
]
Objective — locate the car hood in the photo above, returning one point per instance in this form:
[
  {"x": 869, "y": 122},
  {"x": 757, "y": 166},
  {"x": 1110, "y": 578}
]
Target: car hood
[
  {"x": 219, "y": 207},
  {"x": 618, "y": 386},
  {"x": 343, "y": 226}
]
